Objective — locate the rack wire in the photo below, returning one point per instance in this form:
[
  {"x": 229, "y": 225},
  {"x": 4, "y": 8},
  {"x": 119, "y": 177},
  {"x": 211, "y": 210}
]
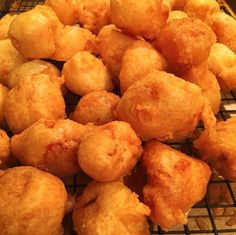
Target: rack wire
[{"x": 206, "y": 217}]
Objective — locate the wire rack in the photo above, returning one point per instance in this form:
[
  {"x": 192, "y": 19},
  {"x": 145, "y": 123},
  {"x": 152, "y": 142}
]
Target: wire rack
[{"x": 208, "y": 216}]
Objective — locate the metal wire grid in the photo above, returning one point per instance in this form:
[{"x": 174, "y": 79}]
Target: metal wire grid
[{"x": 218, "y": 214}]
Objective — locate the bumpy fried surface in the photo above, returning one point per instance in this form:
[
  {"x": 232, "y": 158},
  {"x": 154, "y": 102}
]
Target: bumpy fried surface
[
  {"x": 139, "y": 59},
  {"x": 3, "y": 94},
  {"x": 50, "y": 145},
  {"x": 111, "y": 45},
  {"x": 224, "y": 26},
  {"x": 161, "y": 106},
  {"x": 111, "y": 209},
  {"x": 174, "y": 15},
  {"x": 222, "y": 62},
  {"x": 97, "y": 107},
  {"x": 4, "y": 149},
  {"x": 31, "y": 202},
  {"x": 175, "y": 183},
  {"x": 185, "y": 42},
  {"x": 169, "y": 4},
  {"x": 84, "y": 73},
  {"x": 201, "y": 9},
  {"x": 5, "y": 22},
  {"x": 206, "y": 80},
  {"x": 109, "y": 152},
  {"x": 31, "y": 99},
  {"x": 218, "y": 147},
  {"x": 142, "y": 18},
  {"x": 179, "y": 4},
  {"x": 9, "y": 59}
]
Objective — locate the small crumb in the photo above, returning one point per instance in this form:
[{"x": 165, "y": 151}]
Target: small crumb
[
  {"x": 231, "y": 221},
  {"x": 202, "y": 224}
]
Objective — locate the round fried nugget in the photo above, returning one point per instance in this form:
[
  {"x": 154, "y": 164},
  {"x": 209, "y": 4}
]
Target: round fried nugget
[
  {"x": 109, "y": 152},
  {"x": 170, "y": 172},
  {"x": 111, "y": 209},
  {"x": 9, "y": 59},
  {"x": 5, "y": 22},
  {"x": 111, "y": 45},
  {"x": 185, "y": 42},
  {"x": 31, "y": 202},
  {"x": 142, "y": 18},
  {"x": 97, "y": 107},
  {"x": 50, "y": 145},
  {"x": 162, "y": 106},
  {"x": 84, "y": 73},
  {"x": 31, "y": 99},
  {"x": 139, "y": 59},
  {"x": 33, "y": 32},
  {"x": 179, "y": 4},
  {"x": 206, "y": 80},
  {"x": 218, "y": 147},
  {"x": 222, "y": 62},
  {"x": 3, "y": 94},
  {"x": 70, "y": 40},
  {"x": 4, "y": 149},
  {"x": 201, "y": 9},
  {"x": 174, "y": 15},
  {"x": 224, "y": 26}
]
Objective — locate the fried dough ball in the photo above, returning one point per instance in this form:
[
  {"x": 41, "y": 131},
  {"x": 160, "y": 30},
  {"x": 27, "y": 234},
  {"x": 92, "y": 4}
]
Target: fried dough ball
[
  {"x": 142, "y": 18},
  {"x": 161, "y": 106},
  {"x": 174, "y": 15},
  {"x": 218, "y": 147},
  {"x": 206, "y": 80},
  {"x": 3, "y": 94},
  {"x": 185, "y": 42},
  {"x": 224, "y": 26},
  {"x": 109, "y": 152},
  {"x": 97, "y": 107},
  {"x": 50, "y": 145},
  {"x": 222, "y": 62},
  {"x": 72, "y": 39},
  {"x": 175, "y": 183},
  {"x": 201, "y": 9},
  {"x": 5, "y": 22},
  {"x": 32, "y": 202},
  {"x": 67, "y": 10},
  {"x": 111, "y": 209},
  {"x": 84, "y": 73},
  {"x": 111, "y": 45},
  {"x": 179, "y": 4},
  {"x": 31, "y": 99},
  {"x": 139, "y": 59},
  {"x": 33, "y": 32},
  {"x": 4, "y": 149},
  {"x": 9, "y": 59}
]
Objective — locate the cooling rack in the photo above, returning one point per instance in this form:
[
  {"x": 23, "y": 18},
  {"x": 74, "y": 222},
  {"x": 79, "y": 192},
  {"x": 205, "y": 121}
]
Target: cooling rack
[{"x": 216, "y": 213}]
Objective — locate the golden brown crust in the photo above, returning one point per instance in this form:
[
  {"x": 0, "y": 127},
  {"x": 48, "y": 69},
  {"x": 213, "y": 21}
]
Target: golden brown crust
[
  {"x": 5, "y": 23},
  {"x": 172, "y": 175},
  {"x": 4, "y": 149},
  {"x": 177, "y": 14},
  {"x": 111, "y": 209},
  {"x": 3, "y": 94}
]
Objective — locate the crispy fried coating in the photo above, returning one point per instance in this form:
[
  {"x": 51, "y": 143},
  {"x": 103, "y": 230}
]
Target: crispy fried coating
[
  {"x": 109, "y": 152},
  {"x": 161, "y": 106},
  {"x": 169, "y": 3},
  {"x": 201, "y": 9},
  {"x": 31, "y": 202},
  {"x": 111, "y": 45},
  {"x": 5, "y": 22},
  {"x": 111, "y": 209},
  {"x": 185, "y": 42},
  {"x": 224, "y": 26},
  {"x": 222, "y": 62},
  {"x": 206, "y": 80},
  {"x": 177, "y": 14},
  {"x": 179, "y": 4},
  {"x": 3, "y": 94},
  {"x": 175, "y": 183},
  {"x": 142, "y": 18},
  {"x": 84, "y": 73},
  {"x": 9, "y": 59},
  {"x": 139, "y": 59},
  {"x": 97, "y": 107},
  {"x": 4, "y": 148},
  {"x": 31, "y": 99},
  {"x": 50, "y": 146},
  {"x": 218, "y": 147}
]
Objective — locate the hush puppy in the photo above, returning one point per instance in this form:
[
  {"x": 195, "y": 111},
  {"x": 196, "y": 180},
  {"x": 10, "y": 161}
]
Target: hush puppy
[{"x": 5, "y": 23}]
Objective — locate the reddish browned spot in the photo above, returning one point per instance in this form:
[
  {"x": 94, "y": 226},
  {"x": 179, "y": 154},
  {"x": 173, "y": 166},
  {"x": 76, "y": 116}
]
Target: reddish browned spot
[{"x": 182, "y": 165}]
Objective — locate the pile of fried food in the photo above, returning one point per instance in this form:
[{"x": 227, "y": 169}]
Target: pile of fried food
[{"x": 167, "y": 59}]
